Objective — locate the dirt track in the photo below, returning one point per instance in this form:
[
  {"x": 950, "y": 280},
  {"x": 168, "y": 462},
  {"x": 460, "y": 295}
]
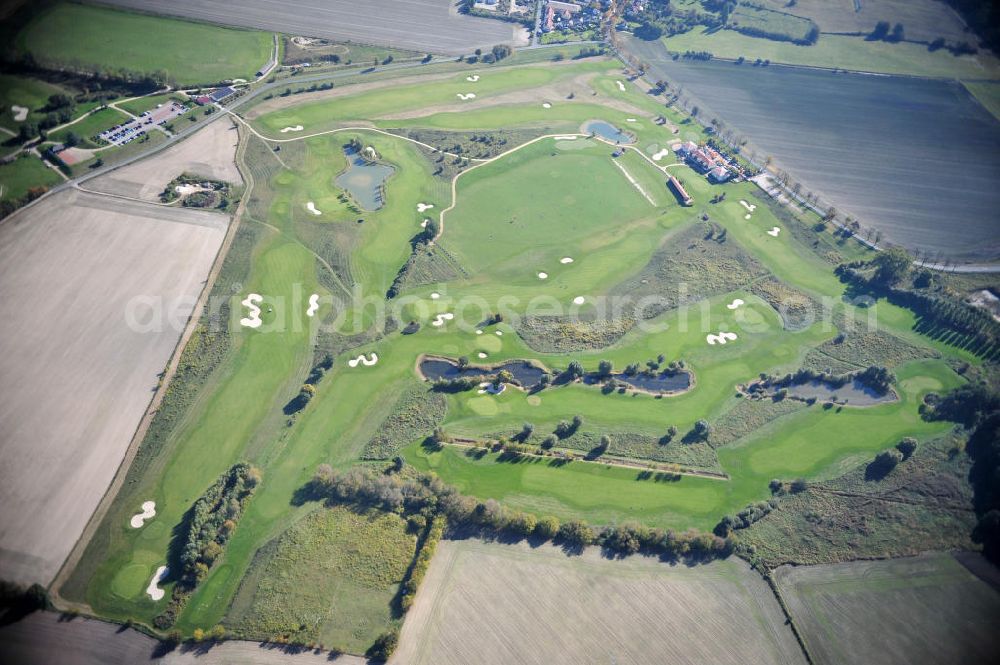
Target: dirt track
[
  {"x": 490, "y": 603},
  {"x": 43, "y": 639},
  {"x": 75, "y": 378},
  {"x": 420, "y": 25}
]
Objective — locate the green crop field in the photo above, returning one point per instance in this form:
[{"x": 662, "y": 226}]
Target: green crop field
[
  {"x": 840, "y": 52},
  {"x": 23, "y": 173},
  {"x": 80, "y": 36},
  {"x": 502, "y": 223},
  {"x": 88, "y": 128}
]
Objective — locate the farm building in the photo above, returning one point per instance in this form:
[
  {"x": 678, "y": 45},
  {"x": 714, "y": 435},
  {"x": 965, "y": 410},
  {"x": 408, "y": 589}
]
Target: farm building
[{"x": 679, "y": 191}]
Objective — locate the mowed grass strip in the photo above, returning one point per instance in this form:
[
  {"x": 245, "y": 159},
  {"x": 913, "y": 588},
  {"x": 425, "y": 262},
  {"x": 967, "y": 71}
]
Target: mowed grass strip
[
  {"x": 24, "y": 173},
  {"x": 97, "y": 38}
]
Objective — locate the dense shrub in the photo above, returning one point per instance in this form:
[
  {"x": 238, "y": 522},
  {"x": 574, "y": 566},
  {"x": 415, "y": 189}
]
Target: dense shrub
[
  {"x": 428, "y": 495},
  {"x": 206, "y": 529}
]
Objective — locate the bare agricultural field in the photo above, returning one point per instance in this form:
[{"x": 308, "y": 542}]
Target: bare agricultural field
[
  {"x": 45, "y": 637},
  {"x": 75, "y": 377},
  {"x": 420, "y": 25},
  {"x": 496, "y": 603},
  {"x": 209, "y": 152},
  {"x": 923, "y": 20},
  {"x": 926, "y": 609}
]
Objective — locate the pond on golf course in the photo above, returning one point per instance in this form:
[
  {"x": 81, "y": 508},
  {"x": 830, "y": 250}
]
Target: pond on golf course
[
  {"x": 525, "y": 373},
  {"x": 607, "y": 131},
  {"x": 854, "y": 393},
  {"x": 364, "y": 180}
]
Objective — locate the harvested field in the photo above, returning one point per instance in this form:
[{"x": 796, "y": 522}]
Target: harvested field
[
  {"x": 928, "y": 609},
  {"x": 209, "y": 152},
  {"x": 69, "y": 268},
  {"x": 44, "y": 638},
  {"x": 474, "y": 606},
  {"x": 844, "y": 142},
  {"x": 421, "y": 25}
]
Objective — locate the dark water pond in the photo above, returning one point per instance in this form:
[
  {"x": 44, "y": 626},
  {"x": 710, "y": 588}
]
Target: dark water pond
[
  {"x": 523, "y": 372},
  {"x": 607, "y": 131},
  {"x": 917, "y": 159},
  {"x": 665, "y": 382},
  {"x": 854, "y": 393},
  {"x": 365, "y": 180}
]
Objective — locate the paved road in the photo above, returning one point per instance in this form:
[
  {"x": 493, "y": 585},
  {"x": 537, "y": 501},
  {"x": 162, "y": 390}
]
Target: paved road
[
  {"x": 43, "y": 638},
  {"x": 419, "y": 25}
]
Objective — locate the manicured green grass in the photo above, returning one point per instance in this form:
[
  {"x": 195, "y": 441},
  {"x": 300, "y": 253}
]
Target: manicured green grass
[
  {"x": 319, "y": 115},
  {"x": 840, "y": 52},
  {"x": 987, "y": 93},
  {"x": 25, "y": 172},
  {"x": 23, "y": 91},
  {"x": 514, "y": 217},
  {"x": 142, "y": 104},
  {"x": 88, "y": 128},
  {"x": 98, "y": 38}
]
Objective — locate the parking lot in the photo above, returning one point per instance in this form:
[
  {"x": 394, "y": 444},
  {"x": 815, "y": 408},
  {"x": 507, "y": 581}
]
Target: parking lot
[{"x": 133, "y": 129}]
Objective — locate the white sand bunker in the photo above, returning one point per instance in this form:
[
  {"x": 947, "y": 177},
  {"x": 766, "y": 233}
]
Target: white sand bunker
[
  {"x": 311, "y": 207},
  {"x": 579, "y": 300},
  {"x": 546, "y": 105},
  {"x": 424, "y": 206},
  {"x": 479, "y": 332},
  {"x": 734, "y": 304},
  {"x": 239, "y": 81},
  {"x": 148, "y": 513},
  {"x": 746, "y": 216},
  {"x": 749, "y": 206},
  {"x": 252, "y": 320},
  {"x": 435, "y": 296},
  {"x": 293, "y": 128},
  {"x": 313, "y": 305},
  {"x": 20, "y": 113},
  {"x": 184, "y": 190},
  {"x": 774, "y": 232},
  {"x": 721, "y": 338},
  {"x": 441, "y": 318},
  {"x": 473, "y": 78},
  {"x": 543, "y": 275},
  {"x": 466, "y": 97},
  {"x": 424, "y": 223},
  {"x": 629, "y": 119},
  {"x": 499, "y": 333},
  {"x": 661, "y": 154},
  {"x": 154, "y": 591},
  {"x": 481, "y": 354},
  {"x": 487, "y": 387},
  {"x": 368, "y": 361},
  {"x": 621, "y": 86},
  {"x": 566, "y": 259}
]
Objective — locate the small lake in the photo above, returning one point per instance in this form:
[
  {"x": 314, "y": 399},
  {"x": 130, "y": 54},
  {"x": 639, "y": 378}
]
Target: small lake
[
  {"x": 607, "y": 131},
  {"x": 364, "y": 180},
  {"x": 663, "y": 382},
  {"x": 523, "y": 372},
  {"x": 854, "y": 393}
]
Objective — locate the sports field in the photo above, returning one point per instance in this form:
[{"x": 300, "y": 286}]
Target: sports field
[
  {"x": 543, "y": 223},
  {"x": 77, "y": 36}
]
